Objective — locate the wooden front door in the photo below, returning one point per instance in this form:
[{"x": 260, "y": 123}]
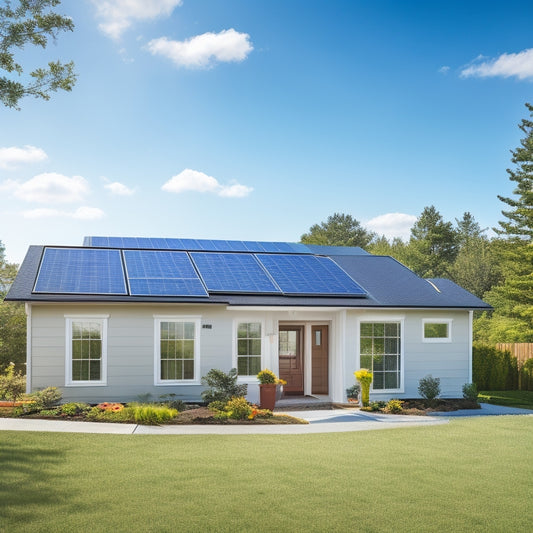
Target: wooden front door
[
  {"x": 319, "y": 355},
  {"x": 291, "y": 361}
]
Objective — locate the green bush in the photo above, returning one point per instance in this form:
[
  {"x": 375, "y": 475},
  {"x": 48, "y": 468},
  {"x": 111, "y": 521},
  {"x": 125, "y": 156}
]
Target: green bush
[
  {"x": 526, "y": 375},
  {"x": 267, "y": 377},
  {"x": 429, "y": 388},
  {"x": 12, "y": 384},
  {"x": 46, "y": 398},
  {"x": 238, "y": 408},
  {"x": 74, "y": 408},
  {"x": 493, "y": 369},
  {"x": 96, "y": 414},
  {"x": 394, "y": 406},
  {"x": 172, "y": 400},
  {"x": 353, "y": 391},
  {"x": 222, "y": 386},
  {"x": 470, "y": 392}
]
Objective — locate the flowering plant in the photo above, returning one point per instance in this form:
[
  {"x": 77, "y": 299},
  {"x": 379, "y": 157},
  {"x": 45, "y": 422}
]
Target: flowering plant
[
  {"x": 114, "y": 407},
  {"x": 267, "y": 377},
  {"x": 364, "y": 376}
]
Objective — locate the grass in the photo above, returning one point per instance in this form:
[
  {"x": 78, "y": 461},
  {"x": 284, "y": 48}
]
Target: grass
[
  {"x": 469, "y": 475},
  {"x": 510, "y": 398}
]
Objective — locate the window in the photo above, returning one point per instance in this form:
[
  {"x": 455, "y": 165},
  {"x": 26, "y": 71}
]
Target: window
[
  {"x": 248, "y": 348},
  {"x": 437, "y": 330},
  {"x": 380, "y": 350},
  {"x": 177, "y": 349},
  {"x": 86, "y": 351}
]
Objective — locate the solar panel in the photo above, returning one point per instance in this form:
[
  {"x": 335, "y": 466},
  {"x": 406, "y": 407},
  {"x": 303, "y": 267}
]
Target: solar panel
[
  {"x": 307, "y": 274},
  {"x": 161, "y": 273},
  {"x": 81, "y": 271},
  {"x": 239, "y": 273},
  {"x": 196, "y": 245}
]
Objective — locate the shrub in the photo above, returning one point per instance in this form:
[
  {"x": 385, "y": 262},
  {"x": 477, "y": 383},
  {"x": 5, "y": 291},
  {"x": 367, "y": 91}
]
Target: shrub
[
  {"x": 222, "y": 386},
  {"x": 470, "y": 392},
  {"x": 353, "y": 391},
  {"x": 238, "y": 408},
  {"x": 493, "y": 369},
  {"x": 153, "y": 414},
  {"x": 374, "y": 406},
  {"x": 526, "y": 375},
  {"x": 394, "y": 406},
  {"x": 364, "y": 376},
  {"x": 171, "y": 400},
  {"x": 74, "y": 408},
  {"x": 46, "y": 398},
  {"x": 102, "y": 415},
  {"x": 429, "y": 388},
  {"x": 12, "y": 384}
]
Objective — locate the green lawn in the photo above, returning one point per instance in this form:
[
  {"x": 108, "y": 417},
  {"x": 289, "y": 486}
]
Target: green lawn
[
  {"x": 470, "y": 475},
  {"x": 510, "y": 398}
]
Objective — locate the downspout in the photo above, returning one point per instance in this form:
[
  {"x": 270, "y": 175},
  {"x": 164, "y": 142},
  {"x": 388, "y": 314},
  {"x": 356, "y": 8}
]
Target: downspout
[
  {"x": 27, "y": 308},
  {"x": 470, "y": 342}
]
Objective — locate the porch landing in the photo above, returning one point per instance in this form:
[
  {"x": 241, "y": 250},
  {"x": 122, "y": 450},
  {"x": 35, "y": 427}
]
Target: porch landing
[{"x": 299, "y": 403}]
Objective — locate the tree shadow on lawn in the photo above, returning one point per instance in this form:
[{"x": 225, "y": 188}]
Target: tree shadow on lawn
[{"x": 28, "y": 477}]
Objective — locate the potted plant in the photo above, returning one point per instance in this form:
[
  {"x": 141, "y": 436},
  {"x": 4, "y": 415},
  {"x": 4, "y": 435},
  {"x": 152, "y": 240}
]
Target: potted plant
[
  {"x": 279, "y": 388},
  {"x": 268, "y": 382},
  {"x": 352, "y": 393}
]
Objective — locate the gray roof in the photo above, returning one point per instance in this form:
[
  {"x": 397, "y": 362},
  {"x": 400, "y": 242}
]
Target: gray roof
[{"x": 388, "y": 284}]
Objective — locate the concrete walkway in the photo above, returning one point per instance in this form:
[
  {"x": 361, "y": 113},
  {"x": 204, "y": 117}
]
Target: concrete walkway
[{"x": 320, "y": 421}]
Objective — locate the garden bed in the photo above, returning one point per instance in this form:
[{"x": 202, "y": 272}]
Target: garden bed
[{"x": 421, "y": 407}]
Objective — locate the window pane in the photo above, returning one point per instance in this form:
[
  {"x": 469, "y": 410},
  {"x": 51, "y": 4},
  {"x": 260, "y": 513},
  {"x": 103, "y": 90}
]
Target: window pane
[
  {"x": 76, "y": 349},
  {"x": 378, "y": 381},
  {"x": 391, "y": 362},
  {"x": 391, "y": 330},
  {"x": 188, "y": 369},
  {"x": 85, "y": 349},
  {"x": 164, "y": 330},
  {"x": 255, "y": 366},
  {"x": 318, "y": 337},
  {"x": 378, "y": 363},
  {"x": 94, "y": 370},
  {"x": 242, "y": 347},
  {"x": 366, "y": 362},
  {"x": 366, "y": 346},
  {"x": 242, "y": 366},
  {"x": 254, "y": 329},
  {"x": 391, "y": 346},
  {"x": 94, "y": 330},
  {"x": 391, "y": 380},
  {"x": 76, "y": 330},
  {"x": 366, "y": 330},
  {"x": 435, "y": 331},
  {"x": 164, "y": 349},
  {"x": 76, "y": 370},
  {"x": 242, "y": 330},
  {"x": 379, "y": 346},
  {"x": 379, "y": 330},
  {"x": 188, "y": 349},
  {"x": 188, "y": 330},
  {"x": 255, "y": 347},
  {"x": 96, "y": 349}
]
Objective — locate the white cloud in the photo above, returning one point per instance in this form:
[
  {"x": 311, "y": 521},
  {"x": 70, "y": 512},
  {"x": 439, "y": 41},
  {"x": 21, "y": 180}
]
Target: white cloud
[
  {"x": 118, "y": 15},
  {"x": 119, "y": 189},
  {"x": 193, "y": 180},
  {"x": 519, "y": 65},
  {"x": 392, "y": 225},
  {"x": 82, "y": 213},
  {"x": 13, "y": 155},
  {"x": 49, "y": 187},
  {"x": 444, "y": 69},
  {"x": 203, "y": 50}
]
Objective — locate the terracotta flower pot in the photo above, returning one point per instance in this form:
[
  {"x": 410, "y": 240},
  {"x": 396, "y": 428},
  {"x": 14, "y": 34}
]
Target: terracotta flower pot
[{"x": 267, "y": 396}]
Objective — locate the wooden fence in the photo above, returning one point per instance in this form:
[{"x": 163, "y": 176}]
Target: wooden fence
[{"x": 521, "y": 350}]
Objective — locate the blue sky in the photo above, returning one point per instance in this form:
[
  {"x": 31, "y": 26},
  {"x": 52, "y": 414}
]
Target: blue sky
[{"x": 240, "y": 119}]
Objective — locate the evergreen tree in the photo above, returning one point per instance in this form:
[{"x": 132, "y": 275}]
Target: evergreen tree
[{"x": 338, "y": 230}]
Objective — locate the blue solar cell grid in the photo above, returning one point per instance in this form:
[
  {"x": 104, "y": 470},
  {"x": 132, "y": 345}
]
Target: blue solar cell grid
[
  {"x": 162, "y": 273},
  {"x": 233, "y": 273},
  {"x": 81, "y": 271},
  {"x": 305, "y": 274}
]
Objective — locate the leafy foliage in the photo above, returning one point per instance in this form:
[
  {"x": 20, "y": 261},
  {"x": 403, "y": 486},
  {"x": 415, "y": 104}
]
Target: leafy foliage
[
  {"x": 470, "y": 392},
  {"x": 12, "y": 384},
  {"x": 394, "y": 407},
  {"x": 31, "y": 22},
  {"x": 338, "y": 230},
  {"x": 429, "y": 388},
  {"x": 364, "y": 376},
  {"x": 46, "y": 398},
  {"x": 267, "y": 377},
  {"x": 222, "y": 386},
  {"x": 493, "y": 369}
]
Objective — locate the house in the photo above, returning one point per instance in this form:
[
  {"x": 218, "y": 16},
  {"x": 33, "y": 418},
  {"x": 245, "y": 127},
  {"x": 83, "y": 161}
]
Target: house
[{"x": 122, "y": 317}]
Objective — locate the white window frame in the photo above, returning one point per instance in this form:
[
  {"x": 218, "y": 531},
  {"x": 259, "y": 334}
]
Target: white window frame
[
  {"x": 197, "y": 320},
  {"x": 372, "y": 319},
  {"x": 447, "y": 321},
  {"x": 69, "y": 320},
  {"x": 235, "y": 351}
]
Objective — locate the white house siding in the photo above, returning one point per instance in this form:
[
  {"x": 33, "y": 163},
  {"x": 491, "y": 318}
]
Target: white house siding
[
  {"x": 448, "y": 361},
  {"x": 130, "y": 347}
]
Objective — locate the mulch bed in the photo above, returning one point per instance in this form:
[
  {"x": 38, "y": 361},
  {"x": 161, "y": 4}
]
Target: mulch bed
[
  {"x": 202, "y": 415},
  {"x": 418, "y": 406}
]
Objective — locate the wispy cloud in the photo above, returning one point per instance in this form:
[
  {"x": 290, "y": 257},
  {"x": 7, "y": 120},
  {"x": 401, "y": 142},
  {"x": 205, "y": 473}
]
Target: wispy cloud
[
  {"x": 119, "y": 15},
  {"x": 519, "y": 65},
  {"x": 49, "y": 187},
  {"x": 202, "y": 51},
  {"x": 444, "y": 69},
  {"x": 82, "y": 213},
  {"x": 392, "y": 225},
  {"x": 119, "y": 189},
  {"x": 193, "y": 180},
  {"x": 13, "y": 156}
]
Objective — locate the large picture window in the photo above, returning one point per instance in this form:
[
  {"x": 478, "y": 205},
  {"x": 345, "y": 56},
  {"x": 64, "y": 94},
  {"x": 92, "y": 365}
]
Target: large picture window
[
  {"x": 380, "y": 352},
  {"x": 86, "y": 350},
  {"x": 248, "y": 348},
  {"x": 177, "y": 341}
]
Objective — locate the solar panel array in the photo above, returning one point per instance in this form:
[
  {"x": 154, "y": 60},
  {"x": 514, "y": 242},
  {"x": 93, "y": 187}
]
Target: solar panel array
[
  {"x": 197, "y": 245},
  {"x": 81, "y": 271},
  {"x": 173, "y": 273}
]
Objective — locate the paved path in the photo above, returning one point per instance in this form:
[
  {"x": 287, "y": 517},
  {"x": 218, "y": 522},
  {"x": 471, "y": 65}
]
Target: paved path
[{"x": 320, "y": 421}]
